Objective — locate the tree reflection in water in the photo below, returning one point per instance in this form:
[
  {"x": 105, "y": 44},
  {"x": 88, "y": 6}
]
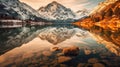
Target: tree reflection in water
[{"x": 97, "y": 47}]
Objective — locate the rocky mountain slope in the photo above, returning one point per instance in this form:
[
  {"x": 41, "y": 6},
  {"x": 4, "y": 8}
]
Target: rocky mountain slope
[
  {"x": 105, "y": 15},
  {"x": 56, "y": 11},
  {"x": 106, "y": 9},
  {"x": 82, "y": 13},
  {"x": 104, "y": 20},
  {"x": 17, "y": 9}
]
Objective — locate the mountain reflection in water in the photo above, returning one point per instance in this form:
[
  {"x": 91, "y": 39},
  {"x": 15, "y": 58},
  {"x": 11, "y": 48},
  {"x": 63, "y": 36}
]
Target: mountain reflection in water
[{"x": 30, "y": 46}]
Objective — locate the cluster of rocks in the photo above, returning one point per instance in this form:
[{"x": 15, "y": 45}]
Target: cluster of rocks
[
  {"x": 92, "y": 62},
  {"x": 71, "y": 51},
  {"x": 67, "y": 51},
  {"x": 61, "y": 57}
]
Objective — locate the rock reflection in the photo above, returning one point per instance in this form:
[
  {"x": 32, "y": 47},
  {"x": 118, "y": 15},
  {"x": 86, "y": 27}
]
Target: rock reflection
[{"x": 108, "y": 38}]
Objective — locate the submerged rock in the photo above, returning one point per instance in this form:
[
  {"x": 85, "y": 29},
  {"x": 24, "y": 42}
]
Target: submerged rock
[
  {"x": 98, "y": 65},
  {"x": 71, "y": 51},
  {"x": 63, "y": 59},
  {"x": 47, "y": 53},
  {"x": 87, "y": 52},
  {"x": 54, "y": 49},
  {"x": 93, "y": 60},
  {"x": 63, "y": 65},
  {"x": 88, "y": 65},
  {"x": 81, "y": 65}
]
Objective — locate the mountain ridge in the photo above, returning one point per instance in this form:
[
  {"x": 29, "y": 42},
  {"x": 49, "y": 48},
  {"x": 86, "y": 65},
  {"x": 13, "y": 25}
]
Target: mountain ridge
[
  {"x": 18, "y": 10},
  {"x": 57, "y": 11},
  {"x": 107, "y": 16}
]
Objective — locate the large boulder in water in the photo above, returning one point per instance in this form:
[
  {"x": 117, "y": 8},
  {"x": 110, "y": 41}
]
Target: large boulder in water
[{"x": 71, "y": 51}]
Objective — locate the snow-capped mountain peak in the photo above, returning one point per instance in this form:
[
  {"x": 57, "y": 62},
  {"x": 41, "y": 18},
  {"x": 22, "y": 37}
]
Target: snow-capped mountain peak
[
  {"x": 55, "y": 11},
  {"x": 81, "y": 13},
  {"x": 51, "y": 7}
]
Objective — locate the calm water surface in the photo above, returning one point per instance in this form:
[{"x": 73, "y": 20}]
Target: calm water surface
[{"x": 31, "y": 46}]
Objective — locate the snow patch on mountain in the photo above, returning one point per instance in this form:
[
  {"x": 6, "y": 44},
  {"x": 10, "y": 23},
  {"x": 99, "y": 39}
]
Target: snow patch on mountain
[
  {"x": 18, "y": 9},
  {"x": 82, "y": 13},
  {"x": 57, "y": 11}
]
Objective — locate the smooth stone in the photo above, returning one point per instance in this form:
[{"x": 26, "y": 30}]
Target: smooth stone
[
  {"x": 81, "y": 65},
  {"x": 62, "y": 59},
  {"x": 63, "y": 65},
  {"x": 88, "y": 65},
  {"x": 87, "y": 52},
  {"x": 93, "y": 60},
  {"x": 98, "y": 65},
  {"x": 71, "y": 51}
]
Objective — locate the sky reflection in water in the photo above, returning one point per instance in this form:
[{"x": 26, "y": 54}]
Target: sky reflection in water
[{"x": 35, "y": 43}]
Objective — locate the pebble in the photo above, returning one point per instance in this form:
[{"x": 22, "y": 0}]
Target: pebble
[
  {"x": 71, "y": 51},
  {"x": 80, "y": 65},
  {"x": 93, "y": 60},
  {"x": 98, "y": 65},
  {"x": 87, "y": 52},
  {"x": 62, "y": 59}
]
